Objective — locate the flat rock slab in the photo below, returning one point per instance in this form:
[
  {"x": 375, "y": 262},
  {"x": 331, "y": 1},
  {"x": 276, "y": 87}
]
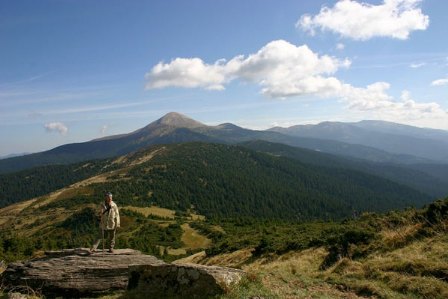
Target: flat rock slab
[
  {"x": 181, "y": 281},
  {"x": 75, "y": 272}
]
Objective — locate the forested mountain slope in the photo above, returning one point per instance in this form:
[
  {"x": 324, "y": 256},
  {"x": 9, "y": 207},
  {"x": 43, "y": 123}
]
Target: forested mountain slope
[
  {"x": 428, "y": 178},
  {"x": 227, "y": 181}
]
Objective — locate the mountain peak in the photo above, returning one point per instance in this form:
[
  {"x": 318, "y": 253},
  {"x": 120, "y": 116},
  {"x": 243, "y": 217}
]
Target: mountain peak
[
  {"x": 228, "y": 126},
  {"x": 174, "y": 119}
]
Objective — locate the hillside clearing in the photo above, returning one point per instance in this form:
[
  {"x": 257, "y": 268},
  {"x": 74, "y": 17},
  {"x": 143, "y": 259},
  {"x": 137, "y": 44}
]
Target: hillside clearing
[
  {"x": 193, "y": 239},
  {"x": 153, "y": 210},
  {"x": 10, "y": 212}
]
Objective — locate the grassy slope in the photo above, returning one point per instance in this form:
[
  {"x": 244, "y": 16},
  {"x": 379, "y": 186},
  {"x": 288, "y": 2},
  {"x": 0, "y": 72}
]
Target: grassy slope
[
  {"x": 402, "y": 273},
  {"x": 405, "y": 257}
]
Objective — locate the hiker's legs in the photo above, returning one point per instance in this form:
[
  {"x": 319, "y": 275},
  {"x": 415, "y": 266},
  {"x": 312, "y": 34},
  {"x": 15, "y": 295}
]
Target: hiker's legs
[{"x": 111, "y": 238}]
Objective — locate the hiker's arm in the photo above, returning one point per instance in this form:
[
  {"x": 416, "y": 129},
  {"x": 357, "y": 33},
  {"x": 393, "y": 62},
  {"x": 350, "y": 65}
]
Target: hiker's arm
[{"x": 118, "y": 217}]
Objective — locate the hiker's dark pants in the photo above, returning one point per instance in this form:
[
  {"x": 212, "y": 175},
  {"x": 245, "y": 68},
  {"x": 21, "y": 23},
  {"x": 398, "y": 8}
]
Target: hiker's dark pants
[{"x": 109, "y": 236}]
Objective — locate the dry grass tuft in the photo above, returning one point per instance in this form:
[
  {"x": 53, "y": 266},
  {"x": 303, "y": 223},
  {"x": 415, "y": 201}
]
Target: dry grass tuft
[{"x": 400, "y": 236}]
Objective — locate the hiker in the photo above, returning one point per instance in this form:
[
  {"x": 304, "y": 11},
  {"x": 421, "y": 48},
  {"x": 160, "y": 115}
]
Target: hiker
[{"x": 110, "y": 221}]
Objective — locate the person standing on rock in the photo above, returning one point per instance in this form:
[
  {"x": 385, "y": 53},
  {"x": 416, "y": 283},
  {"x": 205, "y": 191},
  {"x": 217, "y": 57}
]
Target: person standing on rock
[{"x": 110, "y": 221}]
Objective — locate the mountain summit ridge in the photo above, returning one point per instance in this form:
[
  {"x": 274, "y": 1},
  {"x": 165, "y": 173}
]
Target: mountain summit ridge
[
  {"x": 175, "y": 127},
  {"x": 172, "y": 120},
  {"x": 175, "y": 119}
]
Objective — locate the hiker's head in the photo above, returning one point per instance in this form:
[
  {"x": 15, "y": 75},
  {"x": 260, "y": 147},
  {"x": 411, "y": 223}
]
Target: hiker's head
[{"x": 107, "y": 197}]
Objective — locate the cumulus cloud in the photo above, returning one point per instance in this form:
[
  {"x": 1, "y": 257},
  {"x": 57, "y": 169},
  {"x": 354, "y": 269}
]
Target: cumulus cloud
[
  {"x": 280, "y": 68},
  {"x": 283, "y": 70},
  {"x": 187, "y": 72},
  {"x": 440, "y": 82},
  {"x": 363, "y": 21},
  {"x": 56, "y": 127}
]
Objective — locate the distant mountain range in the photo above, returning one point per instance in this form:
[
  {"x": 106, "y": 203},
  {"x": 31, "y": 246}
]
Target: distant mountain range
[
  {"x": 369, "y": 140},
  {"x": 391, "y": 137}
]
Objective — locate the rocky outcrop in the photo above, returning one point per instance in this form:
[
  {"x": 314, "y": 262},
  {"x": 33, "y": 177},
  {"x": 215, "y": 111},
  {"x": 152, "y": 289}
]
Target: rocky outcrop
[
  {"x": 76, "y": 272},
  {"x": 181, "y": 281}
]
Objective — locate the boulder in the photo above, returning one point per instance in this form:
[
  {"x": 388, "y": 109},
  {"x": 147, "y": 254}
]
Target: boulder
[
  {"x": 75, "y": 272},
  {"x": 180, "y": 281}
]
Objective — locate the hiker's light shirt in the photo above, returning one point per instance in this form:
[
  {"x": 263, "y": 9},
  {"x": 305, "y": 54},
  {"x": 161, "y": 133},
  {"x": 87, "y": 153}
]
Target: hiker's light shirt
[{"x": 111, "y": 218}]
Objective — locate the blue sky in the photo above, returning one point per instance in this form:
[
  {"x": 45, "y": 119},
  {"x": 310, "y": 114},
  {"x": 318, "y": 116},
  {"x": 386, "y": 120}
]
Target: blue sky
[{"x": 72, "y": 71}]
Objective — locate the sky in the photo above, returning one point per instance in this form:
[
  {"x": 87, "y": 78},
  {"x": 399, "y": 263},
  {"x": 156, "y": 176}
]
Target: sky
[{"x": 75, "y": 70}]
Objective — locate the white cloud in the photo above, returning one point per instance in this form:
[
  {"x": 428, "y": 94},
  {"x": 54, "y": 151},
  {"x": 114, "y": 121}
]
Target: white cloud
[
  {"x": 440, "y": 82},
  {"x": 375, "y": 99},
  {"x": 417, "y": 65},
  {"x": 280, "y": 68},
  {"x": 340, "y": 46},
  {"x": 187, "y": 72},
  {"x": 283, "y": 70},
  {"x": 56, "y": 127},
  {"x": 362, "y": 21}
]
